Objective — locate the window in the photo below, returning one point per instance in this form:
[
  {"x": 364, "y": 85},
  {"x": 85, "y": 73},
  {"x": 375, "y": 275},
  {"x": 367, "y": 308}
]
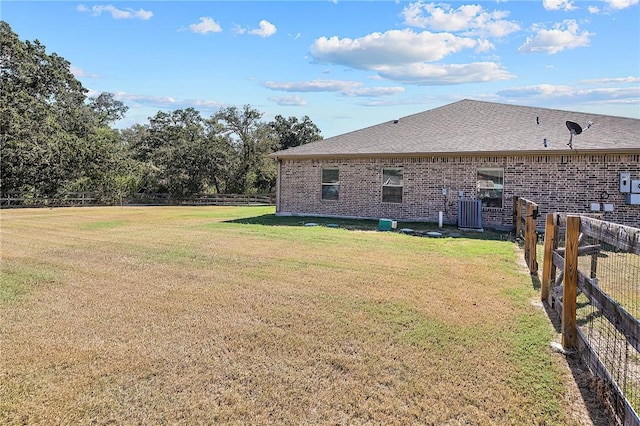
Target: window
[
  {"x": 330, "y": 184},
  {"x": 392, "y": 185},
  {"x": 490, "y": 186}
]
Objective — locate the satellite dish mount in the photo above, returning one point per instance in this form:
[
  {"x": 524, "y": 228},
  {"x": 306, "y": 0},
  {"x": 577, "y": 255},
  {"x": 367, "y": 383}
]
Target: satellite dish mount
[{"x": 574, "y": 129}]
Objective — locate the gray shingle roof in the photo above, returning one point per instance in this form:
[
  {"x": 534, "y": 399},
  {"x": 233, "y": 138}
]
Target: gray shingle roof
[{"x": 470, "y": 127}]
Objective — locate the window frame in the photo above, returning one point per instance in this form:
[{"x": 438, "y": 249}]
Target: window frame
[
  {"x": 335, "y": 184},
  {"x": 384, "y": 185},
  {"x": 489, "y": 202}
]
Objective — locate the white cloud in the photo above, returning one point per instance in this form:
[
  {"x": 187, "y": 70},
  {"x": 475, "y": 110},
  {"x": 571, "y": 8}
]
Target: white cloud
[
  {"x": 344, "y": 87},
  {"x": 137, "y": 99},
  {"x": 391, "y": 47},
  {"x": 288, "y": 100},
  {"x": 165, "y": 102},
  {"x": 201, "y": 103},
  {"x": 435, "y": 74},
  {"x": 312, "y": 86},
  {"x": 617, "y": 80},
  {"x": 374, "y": 91},
  {"x": 566, "y": 5},
  {"x": 565, "y": 35},
  {"x": 116, "y": 13},
  {"x": 267, "y": 29},
  {"x": 206, "y": 25},
  {"x": 79, "y": 73},
  {"x": 540, "y": 89},
  {"x": 237, "y": 29},
  {"x": 470, "y": 19},
  {"x": 497, "y": 29},
  {"x": 484, "y": 46},
  {"x": 621, "y": 4},
  {"x": 92, "y": 93},
  {"x": 403, "y": 55},
  {"x": 593, "y": 10},
  {"x": 574, "y": 94}
]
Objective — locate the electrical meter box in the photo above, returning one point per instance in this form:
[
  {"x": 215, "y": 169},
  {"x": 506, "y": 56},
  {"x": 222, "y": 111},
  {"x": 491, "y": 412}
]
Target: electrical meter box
[
  {"x": 635, "y": 186},
  {"x": 625, "y": 182},
  {"x": 633, "y": 199}
]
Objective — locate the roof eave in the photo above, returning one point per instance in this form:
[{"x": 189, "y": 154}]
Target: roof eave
[{"x": 600, "y": 151}]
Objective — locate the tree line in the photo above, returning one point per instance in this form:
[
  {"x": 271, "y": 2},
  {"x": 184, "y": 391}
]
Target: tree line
[{"x": 54, "y": 139}]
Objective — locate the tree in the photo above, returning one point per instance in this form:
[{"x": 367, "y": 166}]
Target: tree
[
  {"x": 250, "y": 140},
  {"x": 44, "y": 121},
  {"x": 108, "y": 110},
  {"x": 108, "y": 168},
  {"x": 136, "y": 146},
  {"x": 292, "y": 132},
  {"x": 221, "y": 146},
  {"x": 181, "y": 153}
]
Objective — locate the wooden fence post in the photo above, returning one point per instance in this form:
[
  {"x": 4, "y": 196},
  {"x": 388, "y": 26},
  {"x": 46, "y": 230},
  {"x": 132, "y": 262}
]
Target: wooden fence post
[
  {"x": 514, "y": 214},
  {"x": 570, "y": 287},
  {"x": 594, "y": 264},
  {"x": 533, "y": 238},
  {"x": 530, "y": 239},
  {"x": 550, "y": 244},
  {"x": 518, "y": 218},
  {"x": 527, "y": 247}
]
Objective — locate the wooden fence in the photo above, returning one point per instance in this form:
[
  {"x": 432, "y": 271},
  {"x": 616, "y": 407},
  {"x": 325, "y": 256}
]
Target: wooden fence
[
  {"x": 201, "y": 199},
  {"x": 600, "y": 263},
  {"x": 525, "y": 218},
  {"x": 27, "y": 199},
  {"x": 15, "y": 200}
]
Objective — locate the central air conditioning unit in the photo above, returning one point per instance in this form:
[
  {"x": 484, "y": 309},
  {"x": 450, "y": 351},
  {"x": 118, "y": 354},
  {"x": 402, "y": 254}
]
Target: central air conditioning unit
[{"x": 470, "y": 214}]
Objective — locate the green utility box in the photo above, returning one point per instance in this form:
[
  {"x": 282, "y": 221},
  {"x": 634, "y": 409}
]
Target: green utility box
[{"x": 387, "y": 225}]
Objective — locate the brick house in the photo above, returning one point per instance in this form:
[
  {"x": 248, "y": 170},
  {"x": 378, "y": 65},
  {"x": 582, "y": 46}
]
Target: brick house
[{"x": 415, "y": 167}]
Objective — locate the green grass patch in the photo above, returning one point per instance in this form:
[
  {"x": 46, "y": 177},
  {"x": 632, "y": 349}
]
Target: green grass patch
[
  {"x": 413, "y": 327},
  {"x": 18, "y": 280},
  {"x": 536, "y": 375}
]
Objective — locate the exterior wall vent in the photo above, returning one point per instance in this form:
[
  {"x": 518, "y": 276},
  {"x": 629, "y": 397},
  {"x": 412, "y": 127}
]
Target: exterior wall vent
[{"x": 470, "y": 214}]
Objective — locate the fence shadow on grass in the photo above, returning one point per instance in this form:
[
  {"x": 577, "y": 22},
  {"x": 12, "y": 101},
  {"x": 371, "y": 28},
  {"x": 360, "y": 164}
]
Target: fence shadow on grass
[
  {"x": 536, "y": 284},
  {"x": 589, "y": 387},
  {"x": 419, "y": 228}
]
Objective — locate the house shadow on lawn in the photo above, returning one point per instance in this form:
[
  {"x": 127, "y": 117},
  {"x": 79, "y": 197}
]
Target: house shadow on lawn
[{"x": 418, "y": 229}]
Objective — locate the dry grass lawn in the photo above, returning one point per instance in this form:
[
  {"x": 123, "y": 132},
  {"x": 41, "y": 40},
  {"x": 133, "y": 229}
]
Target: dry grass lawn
[{"x": 183, "y": 316}]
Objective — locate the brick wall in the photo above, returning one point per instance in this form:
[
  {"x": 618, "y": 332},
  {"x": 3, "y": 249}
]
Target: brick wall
[{"x": 556, "y": 183}]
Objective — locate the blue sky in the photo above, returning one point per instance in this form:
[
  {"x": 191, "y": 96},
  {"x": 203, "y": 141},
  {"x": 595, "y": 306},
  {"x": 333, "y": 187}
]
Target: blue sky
[{"x": 344, "y": 64}]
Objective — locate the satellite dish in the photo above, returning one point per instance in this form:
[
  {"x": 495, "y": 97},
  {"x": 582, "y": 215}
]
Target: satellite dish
[{"x": 574, "y": 129}]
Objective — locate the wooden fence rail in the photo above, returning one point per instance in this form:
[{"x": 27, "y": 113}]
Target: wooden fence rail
[
  {"x": 12, "y": 200},
  {"x": 27, "y": 199},
  {"x": 201, "y": 199}
]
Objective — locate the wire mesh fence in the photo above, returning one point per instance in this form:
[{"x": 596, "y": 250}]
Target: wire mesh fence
[
  {"x": 607, "y": 309},
  {"x": 617, "y": 275}
]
